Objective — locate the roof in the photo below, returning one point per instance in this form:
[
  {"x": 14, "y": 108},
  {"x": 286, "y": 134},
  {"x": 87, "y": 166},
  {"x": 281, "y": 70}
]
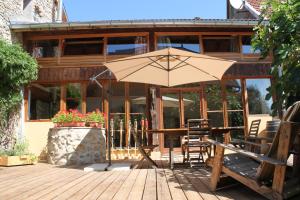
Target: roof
[
  {"x": 255, "y": 4},
  {"x": 139, "y": 23}
]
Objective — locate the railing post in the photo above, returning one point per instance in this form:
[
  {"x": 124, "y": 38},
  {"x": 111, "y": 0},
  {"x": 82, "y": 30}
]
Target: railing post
[
  {"x": 112, "y": 132},
  {"x": 121, "y": 134}
]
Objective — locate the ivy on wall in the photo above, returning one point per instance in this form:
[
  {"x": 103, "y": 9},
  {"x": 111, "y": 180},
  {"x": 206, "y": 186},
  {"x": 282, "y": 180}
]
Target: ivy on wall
[{"x": 17, "y": 68}]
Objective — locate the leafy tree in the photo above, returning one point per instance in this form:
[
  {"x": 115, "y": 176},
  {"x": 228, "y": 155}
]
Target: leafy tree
[
  {"x": 17, "y": 68},
  {"x": 280, "y": 36}
]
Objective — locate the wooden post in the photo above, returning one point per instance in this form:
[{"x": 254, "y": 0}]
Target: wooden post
[
  {"x": 181, "y": 109},
  {"x": 63, "y": 97},
  {"x": 136, "y": 134},
  {"x": 203, "y": 101},
  {"x": 225, "y": 114},
  {"x": 83, "y": 97},
  {"x": 245, "y": 106},
  {"x": 127, "y": 108},
  {"x": 217, "y": 167}
]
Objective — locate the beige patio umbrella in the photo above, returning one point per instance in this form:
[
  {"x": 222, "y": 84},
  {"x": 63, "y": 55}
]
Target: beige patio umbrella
[{"x": 169, "y": 67}]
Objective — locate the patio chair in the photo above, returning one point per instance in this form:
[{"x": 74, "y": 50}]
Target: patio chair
[
  {"x": 249, "y": 142},
  {"x": 195, "y": 141},
  {"x": 267, "y": 174},
  {"x": 145, "y": 150}
]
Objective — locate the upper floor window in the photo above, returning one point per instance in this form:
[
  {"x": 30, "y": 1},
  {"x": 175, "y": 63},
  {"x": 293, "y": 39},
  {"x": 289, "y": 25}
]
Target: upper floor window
[
  {"x": 187, "y": 43},
  {"x": 126, "y": 45},
  {"x": 221, "y": 44},
  {"x": 83, "y": 46},
  {"x": 246, "y": 45},
  {"x": 44, "y": 48}
]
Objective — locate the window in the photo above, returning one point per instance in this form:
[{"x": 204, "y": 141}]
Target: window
[
  {"x": 246, "y": 45},
  {"x": 73, "y": 97},
  {"x": 187, "y": 43},
  {"x": 93, "y": 97},
  {"x": 126, "y": 45},
  {"x": 43, "y": 101},
  {"x": 25, "y": 3},
  {"x": 137, "y": 95},
  {"x": 214, "y": 104},
  {"x": 171, "y": 115},
  {"x": 234, "y": 106},
  {"x": 220, "y": 44},
  {"x": 191, "y": 102},
  {"x": 44, "y": 48},
  {"x": 257, "y": 91},
  {"x": 83, "y": 46}
]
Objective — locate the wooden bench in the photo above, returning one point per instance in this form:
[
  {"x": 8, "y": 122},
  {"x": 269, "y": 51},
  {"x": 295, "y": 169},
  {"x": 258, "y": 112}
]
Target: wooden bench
[{"x": 267, "y": 174}]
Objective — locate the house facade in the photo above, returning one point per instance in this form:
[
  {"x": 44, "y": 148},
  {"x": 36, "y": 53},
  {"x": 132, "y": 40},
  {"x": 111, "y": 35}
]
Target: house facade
[{"x": 70, "y": 53}]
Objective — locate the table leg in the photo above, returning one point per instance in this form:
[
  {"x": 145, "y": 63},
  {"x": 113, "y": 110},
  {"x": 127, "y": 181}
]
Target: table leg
[{"x": 171, "y": 153}]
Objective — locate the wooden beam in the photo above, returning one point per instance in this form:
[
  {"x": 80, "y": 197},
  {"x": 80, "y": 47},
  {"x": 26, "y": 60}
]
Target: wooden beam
[{"x": 245, "y": 106}]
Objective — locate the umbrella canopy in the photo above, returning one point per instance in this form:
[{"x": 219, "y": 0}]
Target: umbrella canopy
[{"x": 169, "y": 67}]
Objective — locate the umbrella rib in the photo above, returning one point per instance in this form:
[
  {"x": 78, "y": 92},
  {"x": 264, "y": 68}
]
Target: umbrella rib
[
  {"x": 155, "y": 61},
  {"x": 202, "y": 70},
  {"x": 181, "y": 61},
  {"x": 149, "y": 64}
]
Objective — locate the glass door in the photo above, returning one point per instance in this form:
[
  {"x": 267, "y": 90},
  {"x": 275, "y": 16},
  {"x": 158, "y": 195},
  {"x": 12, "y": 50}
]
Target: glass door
[{"x": 179, "y": 105}]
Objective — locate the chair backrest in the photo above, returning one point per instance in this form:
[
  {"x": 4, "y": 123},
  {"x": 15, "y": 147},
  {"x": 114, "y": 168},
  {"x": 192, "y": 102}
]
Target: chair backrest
[
  {"x": 266, "y": 170},
  {"x": 254, "y": 127},
  {"x": 198, "y": 127}
]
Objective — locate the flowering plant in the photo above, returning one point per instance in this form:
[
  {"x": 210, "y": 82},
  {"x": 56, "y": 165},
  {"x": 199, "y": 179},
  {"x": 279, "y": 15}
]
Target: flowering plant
[
  {"x": 71, "y": 116},
  {"x": 95, "y": 116}
]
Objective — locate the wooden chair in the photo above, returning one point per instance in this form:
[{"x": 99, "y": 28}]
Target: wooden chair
[
  {"x": 145, "y": 150},
  {"x": 195, "y": 141},
  {"x": 267, "y": 174},
  {"x": 249, "y": 141}
]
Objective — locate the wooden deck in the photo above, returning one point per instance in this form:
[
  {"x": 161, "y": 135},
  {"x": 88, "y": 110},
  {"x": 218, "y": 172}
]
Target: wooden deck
[{"x": 43, "y": 181}]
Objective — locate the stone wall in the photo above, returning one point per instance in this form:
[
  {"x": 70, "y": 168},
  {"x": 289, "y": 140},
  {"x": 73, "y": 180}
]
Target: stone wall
[
  {"x": 76, "y": 145},
  {"x": 14, "y": 11}
]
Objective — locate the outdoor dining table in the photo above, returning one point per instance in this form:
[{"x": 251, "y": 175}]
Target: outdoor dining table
[
  {"x": 175, "y": 132},
  {"x": 172, "y": 134}
]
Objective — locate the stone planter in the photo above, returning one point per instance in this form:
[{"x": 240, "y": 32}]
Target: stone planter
[
  {"x": 17, "y": 160},
  {"x": 76, "y": 145}
]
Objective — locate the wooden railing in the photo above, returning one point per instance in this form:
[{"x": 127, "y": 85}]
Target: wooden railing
[
  {"x": 98, "y": 60},
  {"x": 77, "y": 61}
]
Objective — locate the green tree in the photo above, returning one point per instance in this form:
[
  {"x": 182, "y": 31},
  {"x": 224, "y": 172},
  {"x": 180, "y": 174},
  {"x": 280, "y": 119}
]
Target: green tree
[
  {"x": 278, "y": 34},
  {"x": 17, "y": 68}
]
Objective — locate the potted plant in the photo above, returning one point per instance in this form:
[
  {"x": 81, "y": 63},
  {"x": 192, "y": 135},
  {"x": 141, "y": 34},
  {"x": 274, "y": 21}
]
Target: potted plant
[
  {"x": 19, "y": 155},
  {"x": 71, "y": 118},
  {"x": 95, "y": 119}
]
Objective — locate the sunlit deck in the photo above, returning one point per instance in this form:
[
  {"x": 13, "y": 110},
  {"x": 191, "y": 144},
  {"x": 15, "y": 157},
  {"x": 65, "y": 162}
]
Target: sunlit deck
[{"x": 43, "y": 181}]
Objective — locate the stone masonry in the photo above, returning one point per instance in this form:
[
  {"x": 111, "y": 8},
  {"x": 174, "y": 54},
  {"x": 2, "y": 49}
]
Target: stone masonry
[
  {"x": 76, "y": 145},
  {"x": 34, "y": 11}
]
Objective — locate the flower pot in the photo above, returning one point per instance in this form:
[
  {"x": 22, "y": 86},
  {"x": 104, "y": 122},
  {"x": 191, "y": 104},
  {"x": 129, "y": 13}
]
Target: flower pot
[
  {"x": 70, "y": 124},
  {"x": 96, "y": 124},
  {"x": 17, "y": 160}
]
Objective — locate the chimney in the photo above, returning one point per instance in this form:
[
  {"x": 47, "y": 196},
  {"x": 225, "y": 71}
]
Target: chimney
[{"x": 59, "y": 11}]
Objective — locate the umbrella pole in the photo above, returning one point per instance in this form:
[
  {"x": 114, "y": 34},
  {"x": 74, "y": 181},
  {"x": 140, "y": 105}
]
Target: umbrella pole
[{"x": 108, "y": 115}]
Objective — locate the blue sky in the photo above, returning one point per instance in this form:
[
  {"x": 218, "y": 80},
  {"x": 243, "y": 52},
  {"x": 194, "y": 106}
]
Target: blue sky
[{"x": 89, "y": 10}]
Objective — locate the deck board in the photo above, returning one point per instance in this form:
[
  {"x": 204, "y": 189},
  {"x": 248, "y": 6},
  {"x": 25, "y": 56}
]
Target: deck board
[{"x": 44, "y": 181}]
